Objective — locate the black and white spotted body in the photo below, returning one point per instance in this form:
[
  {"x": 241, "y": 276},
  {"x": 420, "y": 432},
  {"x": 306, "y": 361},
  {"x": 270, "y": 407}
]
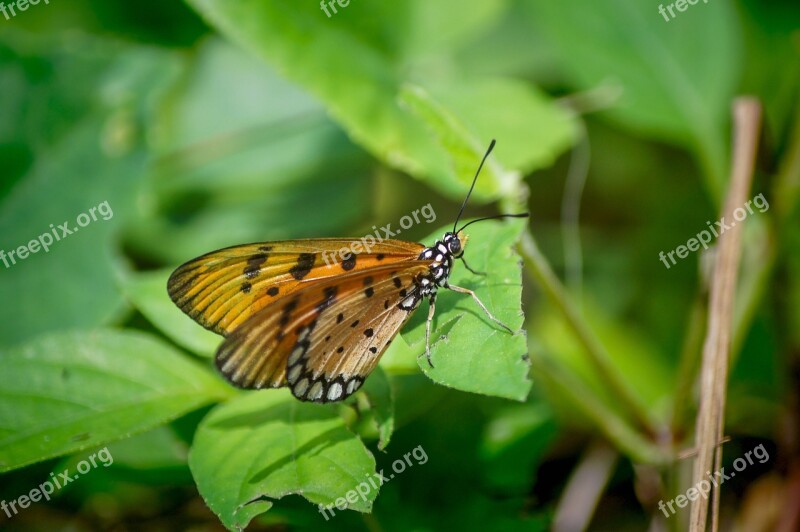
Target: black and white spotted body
[{"x": 442, "y": 253}]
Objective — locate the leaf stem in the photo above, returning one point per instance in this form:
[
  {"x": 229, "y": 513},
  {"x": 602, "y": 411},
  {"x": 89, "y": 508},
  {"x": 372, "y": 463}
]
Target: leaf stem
[
  {"x": 689, "y": 364},
  {"x": 538, "y": 266},
  {"x": 616, "y": 429}
]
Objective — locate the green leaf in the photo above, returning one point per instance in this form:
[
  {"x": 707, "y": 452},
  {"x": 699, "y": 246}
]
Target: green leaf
[
  {"x": 399, "y": 358},
  {"x": 148, "y": 292},
  {"x": 670, "y": 87},
  {"x": 368, "y": 58},
  {"x": 239, "y": 167},
  {"x": 266, "y": 445},
  {"x": 464, "y": 150},
  {"x": 470, "y": 352},
  {"x": 224, "y": 97},
  {"x": 531, "y": 131},
  {"x": 97, "y": 159},
  {"x": 71, "y": 391},
  {"x": 422, "y": 32},
  {"x": 379, "y": 394},
  {"x": 157, "y": 450},
  {"x": 316, "y": 207}
]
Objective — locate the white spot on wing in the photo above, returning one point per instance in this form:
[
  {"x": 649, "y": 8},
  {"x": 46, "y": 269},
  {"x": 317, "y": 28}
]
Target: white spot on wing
[
  {"x": 294, "y": 373},
  {"x": 296, "y": 354},
  {"x": 335, "y": 391},
  {"x": 300, "y": 388},
  {"x": 303, "y": 334},
  {"x": 316, "y": 391}
]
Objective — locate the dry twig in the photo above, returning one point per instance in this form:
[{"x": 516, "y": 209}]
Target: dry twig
[{"x": 716, "y": 350}]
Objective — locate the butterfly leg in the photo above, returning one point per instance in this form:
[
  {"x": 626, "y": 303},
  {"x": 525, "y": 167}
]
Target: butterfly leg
[
  {"x": 483, "y": 274},
  {"x": 431, "y": 307},
  {"x": 480, "y": 304}
]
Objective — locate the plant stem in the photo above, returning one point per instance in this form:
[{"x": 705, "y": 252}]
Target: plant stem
[
  {"x": 689, "y": 364},
  {"x": 586, "y": 484},
  {"x": 716, "y": 350},
  {"x": 616, "y": 429},
  {"x": 539, "y": 267}
]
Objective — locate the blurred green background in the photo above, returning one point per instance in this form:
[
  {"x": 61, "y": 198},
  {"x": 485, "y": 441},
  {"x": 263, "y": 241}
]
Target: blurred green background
[{"x": 218, "y": 122}]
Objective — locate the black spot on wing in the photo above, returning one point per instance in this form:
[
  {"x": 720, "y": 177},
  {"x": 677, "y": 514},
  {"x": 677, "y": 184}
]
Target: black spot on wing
[
  {"x": 348, "y": 261},
  {"x": 246, "y": 287},
  {"x": 254, "y": 263},
  {"x": 329, "y": 297},
  {"x": 288, "y": 308},
  {"x": 273, "y": 291},
  {"x": 305, "y": 261},
  {"x": 368, "y": 333}
]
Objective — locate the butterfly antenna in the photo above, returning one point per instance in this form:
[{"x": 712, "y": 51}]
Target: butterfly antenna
[
  {"x": 463, "y": 205},
  {"x": 521, "y": 215}
]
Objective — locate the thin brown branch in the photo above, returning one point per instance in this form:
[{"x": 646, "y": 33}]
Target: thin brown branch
[
  {"x": 716, "y": 349},
  {"x": 584, "y": 489}
]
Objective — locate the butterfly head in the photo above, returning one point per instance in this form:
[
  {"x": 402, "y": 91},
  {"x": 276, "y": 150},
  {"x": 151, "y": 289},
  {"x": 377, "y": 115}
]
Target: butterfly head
[{"x": 455, "y": 243}]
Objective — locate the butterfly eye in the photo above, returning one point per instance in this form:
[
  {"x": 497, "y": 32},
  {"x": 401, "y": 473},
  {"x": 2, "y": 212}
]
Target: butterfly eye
[{"x": 454, "y": 246}]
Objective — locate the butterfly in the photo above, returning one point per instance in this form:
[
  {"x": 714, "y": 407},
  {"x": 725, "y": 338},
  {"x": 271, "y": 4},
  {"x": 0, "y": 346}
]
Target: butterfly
[{"x": 292, "y": 318}]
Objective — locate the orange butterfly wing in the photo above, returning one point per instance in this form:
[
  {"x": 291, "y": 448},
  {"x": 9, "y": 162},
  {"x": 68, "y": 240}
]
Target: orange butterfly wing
[
  {"x": 324, "y": 339},
  {"x": 222, "y": 289}
]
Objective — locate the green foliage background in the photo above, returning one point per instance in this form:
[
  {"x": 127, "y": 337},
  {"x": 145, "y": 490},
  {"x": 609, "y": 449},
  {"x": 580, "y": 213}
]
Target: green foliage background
[{"x": 215, "y": 122}]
